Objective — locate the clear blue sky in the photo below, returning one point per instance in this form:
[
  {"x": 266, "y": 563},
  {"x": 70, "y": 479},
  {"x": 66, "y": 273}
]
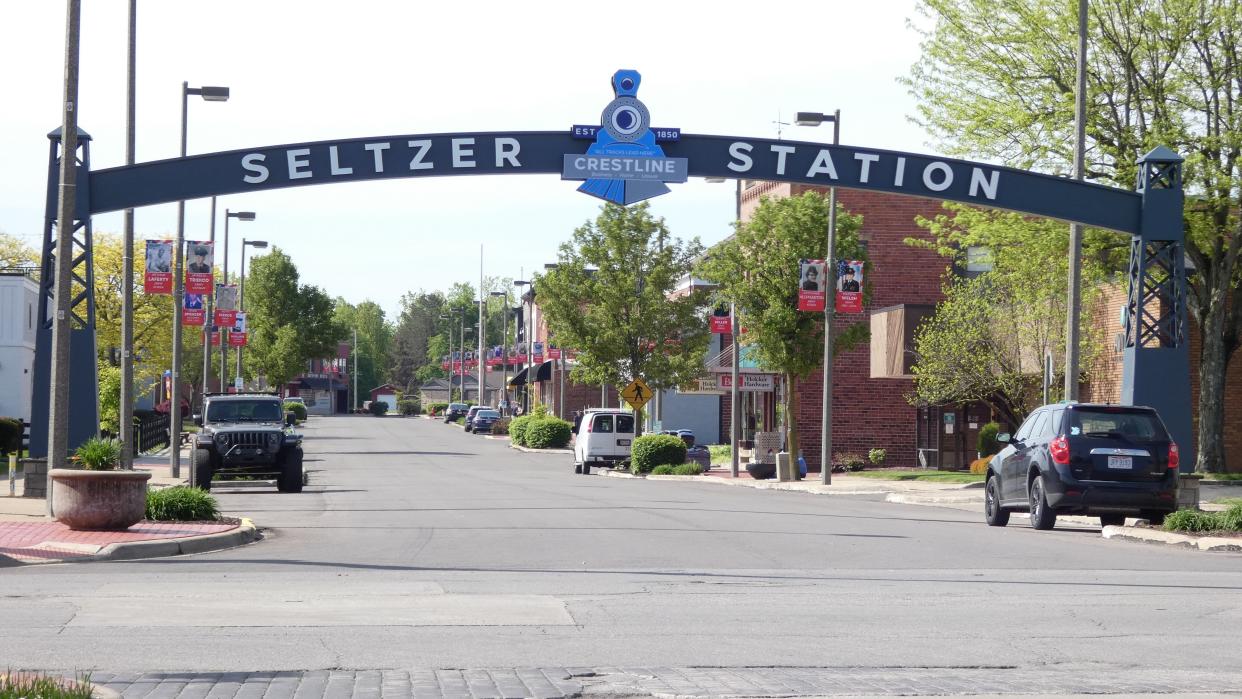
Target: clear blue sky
[{"x": 304, "y": 71}]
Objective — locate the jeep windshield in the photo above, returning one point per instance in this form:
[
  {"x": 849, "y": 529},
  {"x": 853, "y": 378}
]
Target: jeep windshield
[{"x": 244, "y": 411}]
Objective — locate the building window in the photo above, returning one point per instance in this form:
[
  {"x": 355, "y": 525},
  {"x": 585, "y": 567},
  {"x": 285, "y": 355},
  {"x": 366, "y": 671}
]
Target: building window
[{"x": 978, "y": 259}]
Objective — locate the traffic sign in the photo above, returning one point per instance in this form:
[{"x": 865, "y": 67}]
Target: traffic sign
[{"x": 637, "y": 394}]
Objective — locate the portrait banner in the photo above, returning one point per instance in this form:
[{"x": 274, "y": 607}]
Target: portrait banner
[
  {"x": 158, "y": 277},
  {"x": 849, "y": 286},
  {"x": 811, "y": 291},
  {"x": 721, "y": 321},
  {"x": 193, "y": 313},
  {"x": 198, "y": 262}
]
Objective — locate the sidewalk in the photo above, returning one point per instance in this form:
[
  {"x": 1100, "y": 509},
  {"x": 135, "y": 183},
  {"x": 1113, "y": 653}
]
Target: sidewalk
[{"x": 27, "y": 535}]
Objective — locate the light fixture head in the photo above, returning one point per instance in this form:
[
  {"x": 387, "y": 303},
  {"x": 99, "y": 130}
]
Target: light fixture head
[
  {"x": 813, "y": 118},
  {"x": 214, "y": 93},
  {"x": 242, "y": 215},
  {"x": 256, "y": 243}
]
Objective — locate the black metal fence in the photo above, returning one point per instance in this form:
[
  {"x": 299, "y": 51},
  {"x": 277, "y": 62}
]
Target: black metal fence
[{"x": 150, "y": 431}]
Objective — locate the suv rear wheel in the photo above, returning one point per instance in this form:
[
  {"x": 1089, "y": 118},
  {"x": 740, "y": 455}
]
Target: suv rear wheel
[
  {"x": 1042, "y": 516},
  {"x": 992, "y": 510},
  {"x": 290, "y": 480},
  {"x": 202, "y": 468}
]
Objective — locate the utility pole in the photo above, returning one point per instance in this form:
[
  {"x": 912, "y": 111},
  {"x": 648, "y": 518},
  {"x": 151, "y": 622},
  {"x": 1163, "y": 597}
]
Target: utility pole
[
  {"x": 825, "y": 447},
  {"x": 66, "y": 214},
  {"x": 735, "y": 413},
  {"x": 210, "y": 319},
  {"x": 1074, "y": 297},
  {"x": 355, "y": 370},
  {"x": 127, "y": 255},
  {"x": 479, "y": 355}
]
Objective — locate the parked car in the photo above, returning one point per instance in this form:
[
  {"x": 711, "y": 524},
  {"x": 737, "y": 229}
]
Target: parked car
[
  {"x": 695, "y": 454},
  {"x": 483, "y": 421},
  {"x": 604, "y": 436},
  {"x": 1076, "y": 458},
  {"x": 245, "y": 436},
  {"x": 471, "y": 412},
  {"x": 454, "y": 411}
]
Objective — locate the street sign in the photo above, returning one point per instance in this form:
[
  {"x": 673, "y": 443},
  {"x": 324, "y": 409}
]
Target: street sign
[{"x": 637, "y": 394}]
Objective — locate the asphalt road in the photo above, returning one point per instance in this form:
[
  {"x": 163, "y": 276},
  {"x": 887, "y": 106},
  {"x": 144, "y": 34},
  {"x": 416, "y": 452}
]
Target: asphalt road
[{"x": 418, "y": 546}]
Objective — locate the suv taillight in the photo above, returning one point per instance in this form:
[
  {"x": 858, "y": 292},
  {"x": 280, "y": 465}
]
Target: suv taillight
[
  {"x": 1060, "y": 451},
  {"x": 1175, "y": 456}
]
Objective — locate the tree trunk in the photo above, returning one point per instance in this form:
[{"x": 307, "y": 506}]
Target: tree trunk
[
  {"x": 791, "y": 417},
  {"x": 1213, "y": 363}
]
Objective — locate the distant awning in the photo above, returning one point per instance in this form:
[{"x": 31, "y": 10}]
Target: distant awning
[
  {"x": 519, "y": 379},
  {"x": 544, "y": 373}
]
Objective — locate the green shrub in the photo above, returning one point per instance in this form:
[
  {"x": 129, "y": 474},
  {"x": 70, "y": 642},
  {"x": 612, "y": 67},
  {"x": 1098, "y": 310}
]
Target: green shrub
[
  {"x": 181, "y": 504},
  {"x": 501, "y": 426},
  {"x": 1194, "y": 521},
  {"x": 378, "y": 407},
  {"x": 877, "y": 457},
  {"x": 688, "y": 470},
  {"x": 298, "y": 410},
  {"x": 1232, "y": 518},
  {"x": 548, "y": 433},
  {"x": 662, "y": 470},
  {"x": 407, "y": 406},
  {"x": 22, "y": 685},
  {"x": 849, "y": 461},
  {"x": 97, "y": 454},
  {"x": 651, "y": 450},
  {"x": 986, "y": 443},
  {"x": 10, "y": 435},
  {"x": 437, "y": 408},
  {"x": 517, "y": 429}
]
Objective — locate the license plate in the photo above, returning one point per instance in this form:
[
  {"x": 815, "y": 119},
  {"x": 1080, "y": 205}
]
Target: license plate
[
  {"x": 1120, "y": 462},
  {"x": 623, "y": 442}
]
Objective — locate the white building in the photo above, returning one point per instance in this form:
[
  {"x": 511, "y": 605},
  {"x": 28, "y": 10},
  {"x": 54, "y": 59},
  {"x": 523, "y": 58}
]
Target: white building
[{"x": 18, "y": 295}]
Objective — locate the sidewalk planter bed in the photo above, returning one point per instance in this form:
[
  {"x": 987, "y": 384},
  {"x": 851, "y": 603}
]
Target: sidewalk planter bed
[
  {"x": 98, "y": 500},
  {"x": 23, "y": 685},
  {"x": 651, "y": 450},
  {"x": 681, "y": 470},
  {"x": 1228, "y": 522},
  {"x": 181, "y": 504}
]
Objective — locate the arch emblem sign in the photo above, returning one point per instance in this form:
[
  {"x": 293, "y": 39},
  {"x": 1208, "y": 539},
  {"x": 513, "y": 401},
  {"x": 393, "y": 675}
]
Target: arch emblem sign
[{"x": 624, "y": 159}]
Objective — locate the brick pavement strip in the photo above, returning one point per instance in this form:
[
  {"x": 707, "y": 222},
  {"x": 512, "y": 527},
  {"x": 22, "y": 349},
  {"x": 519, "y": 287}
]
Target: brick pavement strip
[{"x": 562, "y": 683}]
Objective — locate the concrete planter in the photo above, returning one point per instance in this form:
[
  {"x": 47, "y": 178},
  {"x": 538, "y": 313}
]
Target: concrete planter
[
  {"x": 98, "y": 500},
  {"x": 1188, "y": 491}
]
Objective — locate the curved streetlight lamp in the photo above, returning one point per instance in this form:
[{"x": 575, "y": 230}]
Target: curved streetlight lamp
[{"x": 241, "y": 301}]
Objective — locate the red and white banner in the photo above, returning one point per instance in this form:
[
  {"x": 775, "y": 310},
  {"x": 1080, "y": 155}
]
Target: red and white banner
[
  {"x": 158, "y": 278},
  {"x": 193, "y": 313},
  {"x": 554, "y": 353},
  {"x": 198, "y": 261},
  {"x": 226, "y": 305},
  {"x": 237, "y": 339},
  {"x": 721, "y": 321},
  {"x": 811, "y": 290},
  {"x": 746, "y": 382},
  {"x": 215, "y": 338},
  {"x": 849, "y": 287}
]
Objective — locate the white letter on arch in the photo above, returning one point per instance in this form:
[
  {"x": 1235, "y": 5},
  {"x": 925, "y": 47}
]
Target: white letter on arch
[
  {"x": 334, "y": 163},
  {"x": 507, "y": 149},
  {"x": 740, "y": 152},
  {"x": 377, "y": 149},
  {"x": 461, "y": 153},
  {"x": 299, "y": 166},
  {"x": 416, "y": 163},
  {"x": 988, "y": 185},
  {"x": 942, "y": 168},
  {"x": 781, "y": 152},
  {"x": 823, "y": 164},
  {"x": 865, "y": 159},
  {"x": 253, "y": 162}
]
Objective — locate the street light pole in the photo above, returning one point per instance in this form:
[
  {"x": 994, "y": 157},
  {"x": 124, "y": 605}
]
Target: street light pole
[
  {"x": 528, "y": 324},
  {"x": 504, "y": 350},
  {"x": 208, "y": 321},
  {"x": 355, "y": 370},
  {"x": 241, "y": 300},
  {"x": 127, "y": 255},
  {"x": 825, "y": 445},
  {"x": 211, "y": 94},
  {"x": 1074, "y": 298},
  {"x": 224, "y": 350}
]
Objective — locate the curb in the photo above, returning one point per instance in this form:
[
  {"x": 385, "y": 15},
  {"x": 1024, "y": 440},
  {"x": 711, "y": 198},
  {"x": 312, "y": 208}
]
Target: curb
[
  {"x": 1153, "y": 536},
  {"x": 909, "y": 499},
  {"x": 528, "y": 450},
  {"x": 244, "y": 533}
]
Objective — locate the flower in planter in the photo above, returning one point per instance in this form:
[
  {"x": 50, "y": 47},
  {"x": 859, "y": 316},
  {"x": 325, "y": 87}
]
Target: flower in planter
[{"x": 97, "y": 454}]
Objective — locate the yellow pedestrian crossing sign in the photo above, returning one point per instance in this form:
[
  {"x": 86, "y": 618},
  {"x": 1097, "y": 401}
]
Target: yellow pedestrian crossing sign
[{"x": 637, "y": 394}]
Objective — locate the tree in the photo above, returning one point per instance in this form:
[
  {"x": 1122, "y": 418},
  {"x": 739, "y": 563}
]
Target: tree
[
  {"x": 14, "y": 252},
  {"x": 288, "y": 323},
  {"x": 608, "y": 299},
  {"x": 374, "y": 340},
  {"x": 758, "y": 270},
  {"x": 988, "y": 338},
  {"x": 996, "y": 80},
  {"x": 418, "y": 323}
]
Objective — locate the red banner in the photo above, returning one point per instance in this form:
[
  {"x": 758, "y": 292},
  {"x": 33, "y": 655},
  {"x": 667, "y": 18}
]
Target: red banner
[
  {"x": 722, "y": 324},
  {"x": 193, "y": 316},
  {"x": 198, "y": 261},
  {"x": 554, "y": 353},
  {"x": 849, "y": 287},
  {"x": 225, "y": 317},
  {"x": 237, "y": 339},
  {"x": 215, "y": 338},
  {"x": 158, "y": 278},
  {"x": 811, "y": 294}
]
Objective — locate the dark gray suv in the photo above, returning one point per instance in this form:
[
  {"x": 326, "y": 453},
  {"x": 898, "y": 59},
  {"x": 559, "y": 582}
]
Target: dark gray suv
[
  {"x": 1076, "y": 458},
  {"x": 247, "y": 435}
]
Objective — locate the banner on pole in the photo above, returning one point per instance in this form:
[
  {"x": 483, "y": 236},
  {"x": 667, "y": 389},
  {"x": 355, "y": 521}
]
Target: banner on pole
[
  {"x": 158, "y": 277},
  {"x": 721, "y": 321},
  {"x": 215, "y": 338},
  {"x": 849, "y": 286},
  {"x": 812, "y": 278},
  {"x": 199, "y": 256},
  {"x": 193, "y": 313},
  {"x": 226, "y": 305},
  {"x": 237, "y": 339}
]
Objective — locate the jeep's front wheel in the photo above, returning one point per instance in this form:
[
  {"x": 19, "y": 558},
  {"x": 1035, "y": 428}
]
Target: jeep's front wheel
[
  {"x": 290, "y": 480},
  {"x": 202, "y": 468}
]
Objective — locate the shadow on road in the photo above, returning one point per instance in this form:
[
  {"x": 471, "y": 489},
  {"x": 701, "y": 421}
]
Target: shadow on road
[{"x": 399, "y": 453}]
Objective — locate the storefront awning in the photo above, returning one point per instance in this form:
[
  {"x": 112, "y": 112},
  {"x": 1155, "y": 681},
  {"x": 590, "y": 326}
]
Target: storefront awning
[
  {"x": 544, "y": 373},
  {"x": 519, "y": 379}
]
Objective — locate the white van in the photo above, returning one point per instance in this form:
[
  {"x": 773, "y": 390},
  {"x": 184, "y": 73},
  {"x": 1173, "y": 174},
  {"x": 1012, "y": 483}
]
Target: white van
[{"x": 604, "y": 436}]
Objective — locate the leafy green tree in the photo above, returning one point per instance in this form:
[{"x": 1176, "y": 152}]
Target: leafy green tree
[
  {"x": 417, "y": 324},
  {"x": 289, "y": 323},
  {"x": 996, "y": 80},
  {"x": 374, "y": 340},
  {"x": 14, "y": 252},
  {"x": 988, "y": 338},
  {"x": 609, "y": 300},
  {"x": 758, "y": 270}
]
